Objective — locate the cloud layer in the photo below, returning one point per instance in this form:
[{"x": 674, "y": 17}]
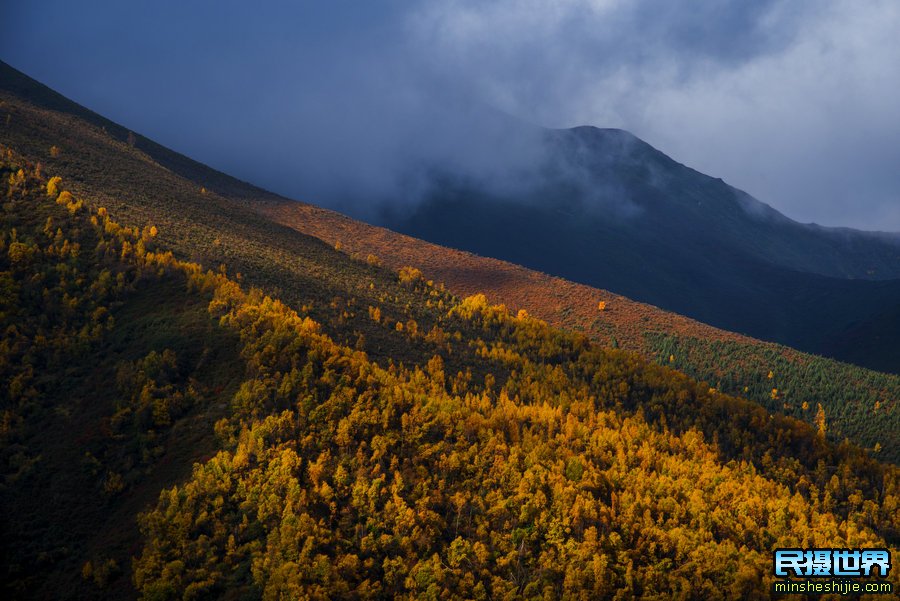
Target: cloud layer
[{"x": 793, "y": 101}]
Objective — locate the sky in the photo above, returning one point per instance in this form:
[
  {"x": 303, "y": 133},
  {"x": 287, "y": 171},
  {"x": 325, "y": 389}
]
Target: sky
[{"x": 793, "y": 101}]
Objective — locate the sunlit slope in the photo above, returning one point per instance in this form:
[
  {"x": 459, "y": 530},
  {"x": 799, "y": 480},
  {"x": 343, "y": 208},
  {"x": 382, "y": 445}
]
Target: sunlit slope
[
  {"x": 860, "y": 403},
  {"x": 545, "y": 465}
]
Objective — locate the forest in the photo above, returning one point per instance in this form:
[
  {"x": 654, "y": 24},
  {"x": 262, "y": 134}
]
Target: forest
[
  {"x": 243, "y": 451},
  {"x": 856, "y": 403},
  {"x": 859, "y": 403}
]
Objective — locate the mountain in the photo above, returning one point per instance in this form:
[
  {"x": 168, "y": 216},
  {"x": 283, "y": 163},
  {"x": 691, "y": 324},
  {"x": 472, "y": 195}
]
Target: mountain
[
  {"x": 207, "y": 216},
  {"x": 202, "y": 402},
  {"x": 606, "y": 209},
  {"x": 170, "y": 434},
  {"x": 861, "y": 402}
]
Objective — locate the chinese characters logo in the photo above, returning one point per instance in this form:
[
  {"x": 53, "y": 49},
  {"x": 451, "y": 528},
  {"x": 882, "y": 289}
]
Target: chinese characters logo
[{"x": 832, "y": 562}]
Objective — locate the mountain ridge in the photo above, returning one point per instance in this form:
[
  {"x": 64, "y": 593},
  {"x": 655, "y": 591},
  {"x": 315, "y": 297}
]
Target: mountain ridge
[
  {"x": 610, "y": 211},
  {"x": 753, "y": 204}
]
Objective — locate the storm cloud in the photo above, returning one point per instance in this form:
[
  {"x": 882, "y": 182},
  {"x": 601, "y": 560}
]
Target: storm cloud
[{"x": 338, "y": 102}]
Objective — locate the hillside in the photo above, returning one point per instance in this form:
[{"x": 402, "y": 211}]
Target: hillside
[
  {"x": 544, "y": 465},
  {"x": 207, "y": 216},
  {"x": 862, "y": 404},
  {"x": 606, "y": 209}
]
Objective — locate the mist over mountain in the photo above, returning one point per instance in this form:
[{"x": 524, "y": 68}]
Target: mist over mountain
[
  {"x": 792, "y": 101},
  {"x": 604, "y": 208}
]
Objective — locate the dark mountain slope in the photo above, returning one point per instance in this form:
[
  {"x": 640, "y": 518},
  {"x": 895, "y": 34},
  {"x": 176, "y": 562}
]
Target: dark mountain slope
[
  {"x": 688, "y": 205},
  {"x": 609, "y": 210}
]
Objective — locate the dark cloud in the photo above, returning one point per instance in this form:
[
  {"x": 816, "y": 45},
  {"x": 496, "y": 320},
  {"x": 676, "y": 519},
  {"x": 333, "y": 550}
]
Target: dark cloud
[{"x": 793, "y": 101}]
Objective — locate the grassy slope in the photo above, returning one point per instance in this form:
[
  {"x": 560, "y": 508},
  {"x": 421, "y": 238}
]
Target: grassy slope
[{"x": 212, "y": 218}]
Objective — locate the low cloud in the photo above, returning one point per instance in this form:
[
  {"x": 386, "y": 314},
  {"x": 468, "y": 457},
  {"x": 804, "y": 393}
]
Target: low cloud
[{"x": 794, "y": 101}]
